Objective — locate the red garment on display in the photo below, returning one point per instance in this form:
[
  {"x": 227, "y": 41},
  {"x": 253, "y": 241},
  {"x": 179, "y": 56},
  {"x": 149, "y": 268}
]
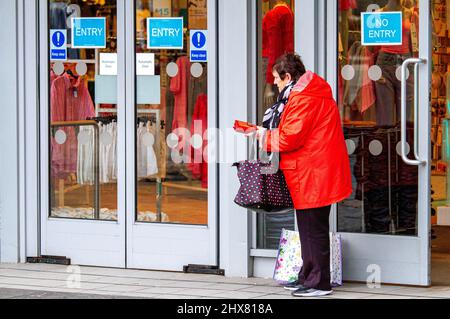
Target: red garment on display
[
  {"x": 179, "y": 88},
  {"x": 405, "y": 48},
  {"x": 359, "y": 93},
  {"x": 69, "y": 101},
  {"x": 347, "y": 4},
  {"x": 367, "y": 94},
  {"x": 199, "y": 161},
  {"x": 310, "y": 139},
  {"x": 278, "y": 32}
]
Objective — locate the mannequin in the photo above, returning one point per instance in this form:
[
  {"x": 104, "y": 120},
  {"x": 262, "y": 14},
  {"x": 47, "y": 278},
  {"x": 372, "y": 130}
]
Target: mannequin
[{"x": 278, "y": 38}]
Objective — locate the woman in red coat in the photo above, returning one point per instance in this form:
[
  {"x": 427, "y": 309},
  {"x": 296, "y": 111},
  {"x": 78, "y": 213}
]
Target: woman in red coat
[{"x": 315, "y": 162}]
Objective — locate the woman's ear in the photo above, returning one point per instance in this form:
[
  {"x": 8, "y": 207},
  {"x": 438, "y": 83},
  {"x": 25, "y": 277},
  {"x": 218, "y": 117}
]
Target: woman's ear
[{"x": 288, "y": 77}]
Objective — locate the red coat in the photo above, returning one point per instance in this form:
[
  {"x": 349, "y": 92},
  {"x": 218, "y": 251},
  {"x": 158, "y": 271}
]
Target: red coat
[{"x": 312, "y": 148}]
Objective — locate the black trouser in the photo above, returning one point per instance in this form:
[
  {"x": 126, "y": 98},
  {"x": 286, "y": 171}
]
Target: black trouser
[{"x": 314, "y": 228}]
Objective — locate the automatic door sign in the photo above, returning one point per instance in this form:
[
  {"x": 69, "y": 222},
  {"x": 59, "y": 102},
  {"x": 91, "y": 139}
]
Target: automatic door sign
[
  {"x": 381, "y": 28},
  {"x": 199, "y": 46},
  {"x": 58, "y": 45},
  {"x": 88, "y": 33},
  {"x": 165, "y": 33}
]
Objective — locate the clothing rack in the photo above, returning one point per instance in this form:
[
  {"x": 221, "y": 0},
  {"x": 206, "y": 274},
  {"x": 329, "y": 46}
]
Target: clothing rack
[
  {"x": 104, "y": 120},
  {"x": 156, "y": 118},
  {"x": 62, "y": 189}
]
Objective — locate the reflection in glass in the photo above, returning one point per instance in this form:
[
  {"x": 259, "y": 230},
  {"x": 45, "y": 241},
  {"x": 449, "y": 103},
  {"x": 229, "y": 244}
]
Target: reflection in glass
[
  {"x": 172, "y": 174},
  {"x": 83, "y": 136}
]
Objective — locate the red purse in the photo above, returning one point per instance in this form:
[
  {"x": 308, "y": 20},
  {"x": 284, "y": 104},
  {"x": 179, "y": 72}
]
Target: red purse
[{"x": 244, "y": 127}]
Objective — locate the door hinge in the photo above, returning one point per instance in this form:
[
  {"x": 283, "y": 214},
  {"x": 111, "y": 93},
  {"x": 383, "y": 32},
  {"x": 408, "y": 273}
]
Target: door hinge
[
  {"x": 203, "y": 270},
  {"x": 53, "y": 260}
]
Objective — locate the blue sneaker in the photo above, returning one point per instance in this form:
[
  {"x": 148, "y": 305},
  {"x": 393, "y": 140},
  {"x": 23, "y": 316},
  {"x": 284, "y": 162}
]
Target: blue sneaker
[
  {"x": 294, "y": 286},
  {"x": 311, "y": 293}
]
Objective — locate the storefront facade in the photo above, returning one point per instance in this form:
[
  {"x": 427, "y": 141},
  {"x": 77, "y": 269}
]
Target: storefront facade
[{"x": 118, "y": 177}]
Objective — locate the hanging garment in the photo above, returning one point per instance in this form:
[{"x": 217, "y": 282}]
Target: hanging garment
[
  {"x": 58, "y": 15},
  {"x": 386, "y": 185},
  {"x": 388, "y": 104},
  {"x": 278, "y": 27},
  {"x": 197, "y": 86},
  {"x": 359, "y": 92},
  {"x": 160, "y": 148},
  {"x": 139, "y": 162},
  {"x": 106, "y": 144},
  {"x": 179, "y": 88},
  {"x": 345, "y": 5},
  {"x": 85, "y": 162},
  {"x": 107, "y": 154},
  {"x": 69, "y": 101},
  {"x": 147, "y": 164},
  {"x": 199, "y": 162},
  {"x": 149, "y": 141},
  {"x": 112, "y": 161},
  {"x": 367, "y": 92}
]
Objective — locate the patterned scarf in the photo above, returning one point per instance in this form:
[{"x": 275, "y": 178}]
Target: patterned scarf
[{"x": 272, "y": 116}]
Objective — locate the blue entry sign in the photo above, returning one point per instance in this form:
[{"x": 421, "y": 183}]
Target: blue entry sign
[
  {"x": 381, "y": 28},
  {"x": 58, "y": 45},
  {"x": 165, "y": 33},
  {"x": 88, "y": 33},
  {"x": 199, "y": 46}
]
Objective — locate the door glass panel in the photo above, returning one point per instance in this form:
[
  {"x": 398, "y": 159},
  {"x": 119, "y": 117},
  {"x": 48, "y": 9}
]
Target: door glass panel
[
  {"x": 385, "y": 194},
  {"x": 440, "y": 131},
  {"x": 83, "y": 109},
  {"x": 172, "y": 111},
  {"x": 276, "y": 25}
]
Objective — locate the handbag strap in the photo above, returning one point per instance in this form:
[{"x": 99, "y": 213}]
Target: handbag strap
[{"x": 253, "y": 148}]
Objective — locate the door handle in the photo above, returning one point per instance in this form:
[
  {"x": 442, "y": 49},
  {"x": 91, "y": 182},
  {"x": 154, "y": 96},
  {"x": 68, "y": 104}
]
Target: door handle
[{"x": 417, "y": 161}]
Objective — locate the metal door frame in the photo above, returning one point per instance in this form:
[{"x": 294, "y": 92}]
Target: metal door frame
[
  {"x": 107, "y": 232},
  {"x": 156, "y": 236}
]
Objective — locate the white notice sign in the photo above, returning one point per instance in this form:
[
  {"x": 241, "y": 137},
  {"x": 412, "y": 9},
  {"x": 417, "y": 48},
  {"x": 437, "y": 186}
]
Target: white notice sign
[
  {"x": 108, "y": 63},
  {"x": 145, "y": 64}
]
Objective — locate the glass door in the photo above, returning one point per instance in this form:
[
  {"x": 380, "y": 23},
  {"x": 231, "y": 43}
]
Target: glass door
[
  {"x": 172, "y": 215},
  {"x": 383, "y": 93},
  {"x": 82, "y": 131},
  {"x": 128, "y": 110}
]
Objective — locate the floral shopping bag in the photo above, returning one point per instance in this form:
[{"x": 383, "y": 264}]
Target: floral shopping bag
[
  {"x": 289, "y": 260},
  {"x": 336, "y": 259}
]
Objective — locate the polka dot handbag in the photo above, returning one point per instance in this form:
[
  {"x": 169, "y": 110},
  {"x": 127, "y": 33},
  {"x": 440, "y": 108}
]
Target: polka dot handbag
[{"x": 263, "y": 188}]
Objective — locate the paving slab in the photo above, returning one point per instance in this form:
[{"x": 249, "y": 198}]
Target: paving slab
[{"x": 33, "y": 294}]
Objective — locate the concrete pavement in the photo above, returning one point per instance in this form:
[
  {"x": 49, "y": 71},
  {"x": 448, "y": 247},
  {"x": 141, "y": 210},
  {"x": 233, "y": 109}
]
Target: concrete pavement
[{"x": 41, "y": 281}]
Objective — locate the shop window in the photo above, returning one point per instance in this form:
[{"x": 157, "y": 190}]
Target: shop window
[
  {"x": 172, "y": 113},
  {"x": 83, "y": 110},
  {"x": 276, "y": 25}
]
